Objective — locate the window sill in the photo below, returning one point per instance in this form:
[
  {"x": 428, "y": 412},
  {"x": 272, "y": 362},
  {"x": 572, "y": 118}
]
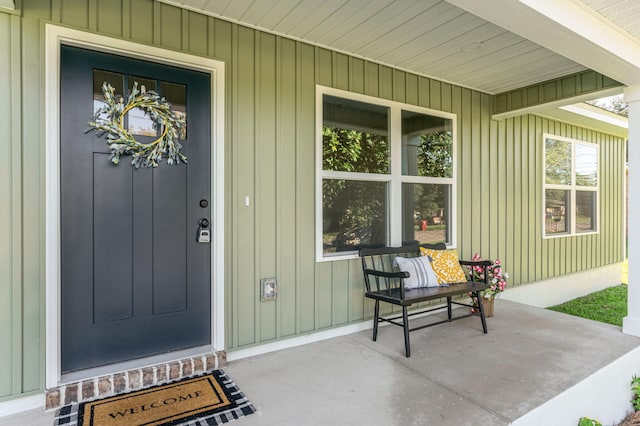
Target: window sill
[{"x": 551, "y": 237}]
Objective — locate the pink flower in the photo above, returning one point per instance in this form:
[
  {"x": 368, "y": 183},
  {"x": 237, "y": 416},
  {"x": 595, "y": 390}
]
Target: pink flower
[{"x": 495, "y": 276}]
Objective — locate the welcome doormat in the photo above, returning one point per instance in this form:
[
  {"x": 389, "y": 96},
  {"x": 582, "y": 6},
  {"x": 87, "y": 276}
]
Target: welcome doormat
[{"x": 209, "y": 399}]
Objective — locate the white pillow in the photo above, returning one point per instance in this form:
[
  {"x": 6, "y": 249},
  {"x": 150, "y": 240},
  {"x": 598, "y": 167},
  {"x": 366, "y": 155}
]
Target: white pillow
[{"x": 421, "y": 273}]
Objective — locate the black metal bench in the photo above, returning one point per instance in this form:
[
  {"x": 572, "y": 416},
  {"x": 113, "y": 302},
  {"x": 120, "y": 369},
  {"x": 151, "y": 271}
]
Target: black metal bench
[{"x": 384, "y": 282}]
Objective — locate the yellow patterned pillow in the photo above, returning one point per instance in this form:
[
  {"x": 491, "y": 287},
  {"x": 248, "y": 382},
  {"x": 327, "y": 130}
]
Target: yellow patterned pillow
[{"x": 445, "y": 265}]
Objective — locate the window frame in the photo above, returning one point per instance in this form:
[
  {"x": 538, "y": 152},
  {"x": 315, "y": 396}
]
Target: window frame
[
  {"x": 573, "y": 188},
  {"x": 394, "y": 178}
]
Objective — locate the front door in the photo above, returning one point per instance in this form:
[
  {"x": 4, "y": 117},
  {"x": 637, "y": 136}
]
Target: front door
[{"x": 134, "y": 279}]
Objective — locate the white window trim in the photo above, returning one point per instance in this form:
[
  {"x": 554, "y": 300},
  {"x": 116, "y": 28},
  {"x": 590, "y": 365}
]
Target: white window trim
[
  {"x": 572, "y": 188},
  {"x": 395, "y": 177}
]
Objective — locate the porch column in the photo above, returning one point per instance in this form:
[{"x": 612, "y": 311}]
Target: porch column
[{"x": 631, "y": 323}]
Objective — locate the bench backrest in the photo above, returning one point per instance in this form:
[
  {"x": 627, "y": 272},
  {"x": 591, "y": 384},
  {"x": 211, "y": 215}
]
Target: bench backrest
[
  {"x": 438, "y": 246},
  {"x": 381, "y": 259},
  {"x": 380, "y": 274}
]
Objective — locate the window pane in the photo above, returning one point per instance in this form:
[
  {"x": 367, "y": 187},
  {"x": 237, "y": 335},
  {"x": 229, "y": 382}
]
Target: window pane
[
  {"x": 585, "y": 211},
  {"x": 139, "y": 121},
  {"x": 427, "y": 145},
  {"x": 99, "y": 78},
  {"x": 176, "y": 95},
  {"x": 586, "y": 165},
  {"x": 556, "y": 211},
  {"x": 354, "y": 215},
  {"x": 355, "y": 136},
  {"x": 557, "y": 162},
  {"x": 425, "y": 213}
]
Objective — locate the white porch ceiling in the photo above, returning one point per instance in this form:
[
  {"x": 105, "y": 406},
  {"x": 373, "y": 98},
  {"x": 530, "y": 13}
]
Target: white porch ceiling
[
  {"x": 624, "y": 14},
  {"x": 429, "y": 37}
]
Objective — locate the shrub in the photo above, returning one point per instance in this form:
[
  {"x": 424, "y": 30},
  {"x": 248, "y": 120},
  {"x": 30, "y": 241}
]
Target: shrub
[
  {"x": 586, "y": 421},
  {"x": 635, "y": 388}
]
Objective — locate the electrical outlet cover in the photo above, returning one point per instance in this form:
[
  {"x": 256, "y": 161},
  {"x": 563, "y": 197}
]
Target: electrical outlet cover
[{"x": 269, "y": 288}]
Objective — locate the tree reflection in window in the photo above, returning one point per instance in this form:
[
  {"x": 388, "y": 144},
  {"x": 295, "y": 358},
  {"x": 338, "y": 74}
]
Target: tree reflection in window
[
  {"x": 348, "y": 150},
  {"x": 354, "y": 214},
  {"x": 558, "y": 162}
]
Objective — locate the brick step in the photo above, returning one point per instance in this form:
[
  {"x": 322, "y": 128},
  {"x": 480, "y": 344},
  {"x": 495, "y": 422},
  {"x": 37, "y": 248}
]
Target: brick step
[{"x": 134, "y": 379}]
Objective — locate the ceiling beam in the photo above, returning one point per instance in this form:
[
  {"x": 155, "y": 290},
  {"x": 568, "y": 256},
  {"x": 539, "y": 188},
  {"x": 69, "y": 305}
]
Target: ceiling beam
[{"x": 568, "y": 28}]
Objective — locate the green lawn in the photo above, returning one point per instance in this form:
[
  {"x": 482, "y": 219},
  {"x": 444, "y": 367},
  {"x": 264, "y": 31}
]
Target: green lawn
[{"x": 608, "y": 305}]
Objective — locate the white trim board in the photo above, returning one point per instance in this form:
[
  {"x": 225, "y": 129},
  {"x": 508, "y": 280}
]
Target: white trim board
[
  {"x": 54, "y": 37},
  {"x": 19, "y": 405},
  {"x": 316, "y": 337},
  {"x": 298, "y": 341},
  {"x": 557, "y": 290},
  {"x": 8, "y": 4},
  {"x": 540, "y": 294}
]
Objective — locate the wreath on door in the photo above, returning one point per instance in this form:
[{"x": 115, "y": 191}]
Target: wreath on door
[{"x": 109, "y": 121}]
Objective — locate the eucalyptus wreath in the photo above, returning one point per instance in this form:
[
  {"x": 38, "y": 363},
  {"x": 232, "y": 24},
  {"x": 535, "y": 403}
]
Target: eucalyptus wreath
[{"x": 109, "y": 120}]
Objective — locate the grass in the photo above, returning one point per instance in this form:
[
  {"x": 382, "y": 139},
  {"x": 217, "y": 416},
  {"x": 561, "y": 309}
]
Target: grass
[{"x": 608, "y": 305}]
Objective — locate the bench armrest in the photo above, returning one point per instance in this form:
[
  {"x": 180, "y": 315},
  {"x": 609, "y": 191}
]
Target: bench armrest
[
  {"x": 472, "y": 264},
  {"x": 400, "y": 274},
  {"x": 476, "y": 262}
]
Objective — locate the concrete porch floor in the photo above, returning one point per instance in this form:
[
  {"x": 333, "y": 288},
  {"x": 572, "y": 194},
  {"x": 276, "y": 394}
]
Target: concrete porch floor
[{"x": 455, "y": 376}]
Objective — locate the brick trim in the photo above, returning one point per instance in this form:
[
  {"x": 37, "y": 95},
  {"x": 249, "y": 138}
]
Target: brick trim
[{"x": 135, "y": 379}]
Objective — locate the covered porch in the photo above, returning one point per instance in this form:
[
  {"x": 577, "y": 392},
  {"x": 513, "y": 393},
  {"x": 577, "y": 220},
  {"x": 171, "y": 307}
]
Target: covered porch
[
  {"x": 534, "y": 367},
  {"x": 507, "y": 69}
]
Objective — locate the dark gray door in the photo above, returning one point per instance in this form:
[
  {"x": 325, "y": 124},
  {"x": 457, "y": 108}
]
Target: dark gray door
[{"x": 134, "y": 280}]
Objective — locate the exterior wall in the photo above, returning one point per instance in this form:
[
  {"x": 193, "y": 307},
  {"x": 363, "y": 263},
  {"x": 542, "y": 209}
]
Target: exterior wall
[
  {"x": 567, "y": 87},
  {"x": 21, "y": 326},
  {"x": 270, "y": 145}
]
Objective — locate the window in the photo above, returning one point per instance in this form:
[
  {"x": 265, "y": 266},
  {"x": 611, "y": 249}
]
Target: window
[
  {"x": 385, "y": 174},
  {"x": 570, "y": 186}
]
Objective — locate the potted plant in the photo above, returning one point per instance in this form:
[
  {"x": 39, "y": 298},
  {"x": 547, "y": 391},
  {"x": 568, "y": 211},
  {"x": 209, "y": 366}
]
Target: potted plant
[{"x": 497, "y": 278}]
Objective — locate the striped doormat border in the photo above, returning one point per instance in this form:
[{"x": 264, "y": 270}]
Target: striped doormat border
[{"x": 238, "y": 406}]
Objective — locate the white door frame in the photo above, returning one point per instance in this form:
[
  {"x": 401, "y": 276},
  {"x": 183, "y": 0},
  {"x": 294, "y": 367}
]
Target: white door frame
[{"x": 54, "y": 37}]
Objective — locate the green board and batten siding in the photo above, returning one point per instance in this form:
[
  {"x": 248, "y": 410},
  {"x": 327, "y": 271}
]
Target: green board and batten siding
[
  {"x": 581, "y": 83},
  {"x": 12, "y": 340},
  {"x": 270, "y": 148}
]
